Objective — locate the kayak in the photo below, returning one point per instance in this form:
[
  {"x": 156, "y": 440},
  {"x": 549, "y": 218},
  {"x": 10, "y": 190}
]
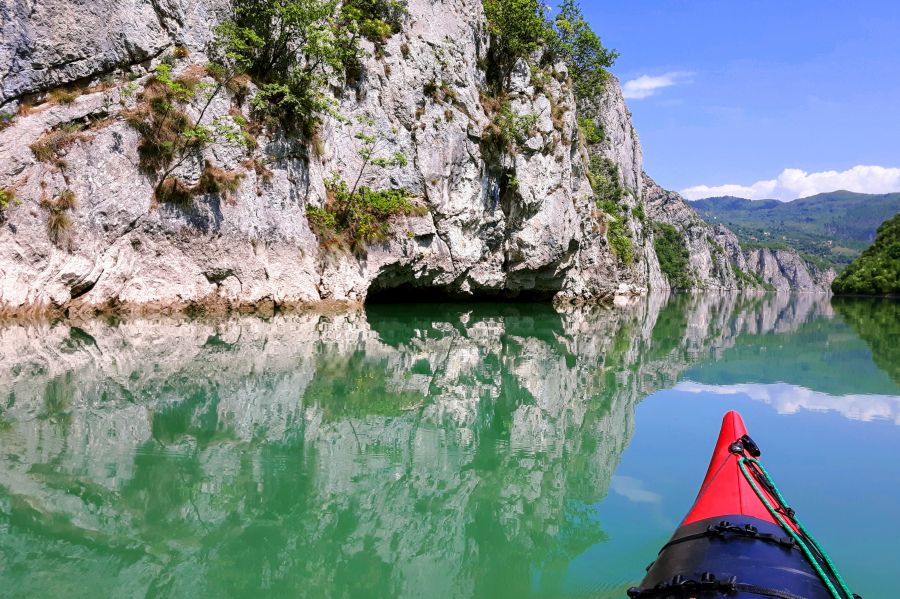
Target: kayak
[{"x": 740, "y": 539}]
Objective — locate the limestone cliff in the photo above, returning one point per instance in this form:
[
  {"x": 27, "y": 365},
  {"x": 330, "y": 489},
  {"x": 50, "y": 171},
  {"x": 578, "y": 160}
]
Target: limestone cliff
[
  {"x": 83, "y": 232},
  {"x": 716, "y": 258},
  {"x": 786, "y": 270},
  {"x": 542, "y": 237}
]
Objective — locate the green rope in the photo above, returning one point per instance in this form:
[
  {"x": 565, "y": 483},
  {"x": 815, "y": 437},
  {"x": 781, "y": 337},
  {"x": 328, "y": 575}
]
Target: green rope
[{"x": 800, "y": 542}]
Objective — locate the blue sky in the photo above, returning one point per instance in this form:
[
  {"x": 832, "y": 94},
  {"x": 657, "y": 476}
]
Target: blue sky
[{"x": 757, "y": 87}]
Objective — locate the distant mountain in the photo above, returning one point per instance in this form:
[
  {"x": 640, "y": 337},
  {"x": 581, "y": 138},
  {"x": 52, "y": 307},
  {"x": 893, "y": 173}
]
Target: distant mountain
[
  {"x": 831, "y": 228},
  {"x": 877, "y": 270}
]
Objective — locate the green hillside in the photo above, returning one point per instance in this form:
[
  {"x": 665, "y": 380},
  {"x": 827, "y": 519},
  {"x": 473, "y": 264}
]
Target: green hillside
[
  {"x": 877, "y": 270},
  {"x": 834, "y": 227}
]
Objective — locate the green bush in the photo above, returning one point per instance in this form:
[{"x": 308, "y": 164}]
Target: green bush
[
  {"x": 289, "y": 47},
  {"x": 7, "y": 198},
  {"x": 672, "y": 252},
  {"x": 751, "y": 280},
  {"x": 518, "y": 28},
  {"x": 593, "y": 132},
  {"x": 638, "y": 212},
  {"x": 603, "y": 175},
  {"x": 355, "y": 218},
  {"x": 616, "y": 231},
  {"x": 377, "y": 19},
  {"x": 510, "y": 130},
  {"x": 605, "y": 179},
  {"x": 877, "y": 270}
]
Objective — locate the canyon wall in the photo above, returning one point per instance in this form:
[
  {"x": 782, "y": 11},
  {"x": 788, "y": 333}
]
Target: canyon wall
[
  {"x": 478, "y": 235},
  {"x": 717, "y": 260},
  {"x": 525, "y": 224}
]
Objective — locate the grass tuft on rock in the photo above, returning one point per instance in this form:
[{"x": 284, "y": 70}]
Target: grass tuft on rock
[
  {"x": 7, "y": 198},
  {"x": 213, "y": 181},
  {"x": 59, "y": 222},
  {"x": 52, "y": 146}
]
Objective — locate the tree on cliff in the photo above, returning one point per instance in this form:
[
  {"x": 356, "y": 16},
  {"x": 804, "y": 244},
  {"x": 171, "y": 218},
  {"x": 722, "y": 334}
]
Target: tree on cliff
[{"x": 519, "y": 28}]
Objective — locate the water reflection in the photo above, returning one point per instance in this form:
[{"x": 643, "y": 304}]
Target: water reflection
[
  {"x": 443, "y": 451},
  {"x": 790, "y": 399}
]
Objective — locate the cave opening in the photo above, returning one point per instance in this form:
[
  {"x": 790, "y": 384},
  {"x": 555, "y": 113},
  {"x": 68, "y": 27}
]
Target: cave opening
[{"x": 405, "y": 293}]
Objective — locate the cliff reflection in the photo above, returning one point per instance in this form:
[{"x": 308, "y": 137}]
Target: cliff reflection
[{"x": 407, "y": 451}]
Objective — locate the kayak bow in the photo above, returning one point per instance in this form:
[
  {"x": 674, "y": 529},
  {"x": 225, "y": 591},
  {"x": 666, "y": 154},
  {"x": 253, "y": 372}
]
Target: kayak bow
[{"x": 740, "y": 539}]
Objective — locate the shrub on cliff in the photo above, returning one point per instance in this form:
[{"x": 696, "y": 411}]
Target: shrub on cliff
[
  {"x": 519, "y": 28},
  {"x": 290, "y": 48},
  {"x": 673, "y": 255},
  {"x": 577, "y": 44},
  {"x": 357, "y": 217},
  {"x": 605, "y": 179},
  {"x": 59, "y": 223},
  {"x": 509, "y": 130},
  {"x": 377, "y": 19},
  {"x": 7, "y": 198},
  {"x": 606, "y": 183},
  {"x": 877, "y": 270}
]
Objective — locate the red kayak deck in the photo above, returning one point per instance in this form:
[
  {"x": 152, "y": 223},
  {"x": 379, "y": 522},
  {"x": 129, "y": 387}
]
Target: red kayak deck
[{"x": 725, "y": 491}]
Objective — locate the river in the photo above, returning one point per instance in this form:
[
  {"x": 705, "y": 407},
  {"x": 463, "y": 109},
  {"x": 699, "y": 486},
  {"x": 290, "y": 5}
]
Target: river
[{"x": 443, "y": 450}]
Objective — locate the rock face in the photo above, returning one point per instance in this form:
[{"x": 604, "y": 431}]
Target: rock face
[
  {"x": 544, "y": 238},
  {"x": 785, "y": 270},
  {"x": 714, "y": 251},
  {"x": 717, "y": 260},
  {"x": 48, "y": 44},
  {"x": 525, "y": 224}
]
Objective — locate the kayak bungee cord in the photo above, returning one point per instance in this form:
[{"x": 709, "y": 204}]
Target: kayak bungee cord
[
  {"x": 740, "y": 538},
  {"x": 804, "y": 536}
]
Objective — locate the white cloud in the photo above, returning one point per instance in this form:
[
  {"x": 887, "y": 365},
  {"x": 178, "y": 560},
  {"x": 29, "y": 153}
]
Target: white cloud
[
  {"x": 633, "y": 490},
  {"x": 794, "y": 183},
  {"x": 790, "y": 399},
  {"x": 647, "y": 85}
]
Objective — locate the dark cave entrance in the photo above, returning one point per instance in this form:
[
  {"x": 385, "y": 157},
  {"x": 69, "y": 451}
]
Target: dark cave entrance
[
  {"x": 406, "y": 293},
  {"x": 398, "y": 285}
]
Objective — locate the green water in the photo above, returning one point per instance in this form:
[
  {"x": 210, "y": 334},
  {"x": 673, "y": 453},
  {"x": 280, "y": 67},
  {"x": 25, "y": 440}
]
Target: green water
[{"x": 439, "y": 451}]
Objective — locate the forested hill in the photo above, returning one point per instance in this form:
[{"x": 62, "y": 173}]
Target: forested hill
[
  {"x": 835, "y": 227},
  {"x": 877, "y": 271}
]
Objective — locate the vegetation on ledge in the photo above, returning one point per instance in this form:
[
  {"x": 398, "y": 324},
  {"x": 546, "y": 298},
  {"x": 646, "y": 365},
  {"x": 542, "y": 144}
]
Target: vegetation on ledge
[
  {"x": 291, "y": 49},
  {"x": 357, "y": 215},
  {"x": 877, "y": 270},
  {"x": 59, "y": 223},
  {"x": 170, "y": 137},
  {"x": 674, "y": 259},
  {"x": 751, "y": 280},
  {"x": 519, "y": 28},
  {"x": 606, "y": 183},
  {"x": 353, "y": 218}
]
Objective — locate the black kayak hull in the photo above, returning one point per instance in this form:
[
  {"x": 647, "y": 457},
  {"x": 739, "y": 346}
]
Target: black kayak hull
[{"x": 735, "y": 556}]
